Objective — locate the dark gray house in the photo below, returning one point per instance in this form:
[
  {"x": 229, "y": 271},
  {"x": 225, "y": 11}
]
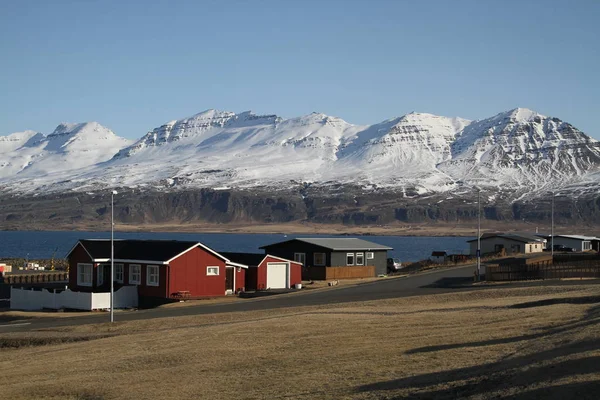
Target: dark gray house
[{"x": 333, "y": 258}]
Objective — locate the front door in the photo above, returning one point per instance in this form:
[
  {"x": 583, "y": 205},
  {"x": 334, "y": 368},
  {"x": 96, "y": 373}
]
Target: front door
[{"x": 229, "y": 279}]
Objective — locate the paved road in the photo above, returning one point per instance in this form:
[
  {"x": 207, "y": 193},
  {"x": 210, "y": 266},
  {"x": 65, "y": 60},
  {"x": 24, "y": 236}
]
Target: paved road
[{"x": 443, "y": 281}]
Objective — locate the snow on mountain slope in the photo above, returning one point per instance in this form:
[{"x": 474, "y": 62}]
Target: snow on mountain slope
[
  {"x": 418, "y": 152},
  {"x": 69, "y": 148},
  {"x": 522, "y": 148}
]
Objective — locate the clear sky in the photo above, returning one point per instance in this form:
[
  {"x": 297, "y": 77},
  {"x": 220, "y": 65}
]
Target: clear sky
[{"x": 134, "y": 65}]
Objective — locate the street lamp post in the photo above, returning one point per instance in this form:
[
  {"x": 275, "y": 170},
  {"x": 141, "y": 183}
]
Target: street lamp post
[
  {"x": 112, "y": 255},
  {"x": 478, "y": 234},
  {"x": 552, "y": 229}
]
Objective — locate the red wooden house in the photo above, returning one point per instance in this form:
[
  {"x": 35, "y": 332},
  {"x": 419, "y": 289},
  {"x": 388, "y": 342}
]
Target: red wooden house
[
  {"x": 267, "y": 271},
  {"x": 159, "y": 268}
]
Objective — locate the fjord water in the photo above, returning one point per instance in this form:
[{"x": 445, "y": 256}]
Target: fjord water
[{"x": 42, "y": 244}]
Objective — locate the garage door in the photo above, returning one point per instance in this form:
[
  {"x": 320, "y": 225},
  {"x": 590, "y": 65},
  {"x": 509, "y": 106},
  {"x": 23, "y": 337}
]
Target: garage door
[{"x": 276, "y": 275}]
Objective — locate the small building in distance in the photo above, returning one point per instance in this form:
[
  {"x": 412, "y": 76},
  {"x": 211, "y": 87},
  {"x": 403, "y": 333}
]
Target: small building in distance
[
  {"x": 510, "y": 243},
  {"x": 267, "y": 271},
  {"x": 160, "y": 269},
  {"x": 438, "y": 257},
  {"x": 578, "y": 242},
  {"x": 333, "y": 258}
]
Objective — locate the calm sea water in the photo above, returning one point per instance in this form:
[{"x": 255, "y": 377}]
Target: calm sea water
[{"x": 42, "y": 244}]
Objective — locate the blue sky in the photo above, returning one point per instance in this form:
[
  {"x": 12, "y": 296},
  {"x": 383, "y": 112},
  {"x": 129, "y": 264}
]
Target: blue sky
[{"x": 134, "y": 65}]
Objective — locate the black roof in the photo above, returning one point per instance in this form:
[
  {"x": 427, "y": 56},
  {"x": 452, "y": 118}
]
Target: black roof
[
  {"x": 151, "y": 250},
  {"x": 250, "y": 259},
  {"x": 350, "y": 244}
]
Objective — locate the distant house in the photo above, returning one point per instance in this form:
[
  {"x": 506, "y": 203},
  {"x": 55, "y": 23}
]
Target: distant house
[
  {"x": 511, "y": 243},
  {"x": 438, "y": 257},
  {"x": 158, "y": 268},
  {"x": 267, "y": 271},
  {"x": 578, "y": 242},
  {"x": 333, "y": 258}
]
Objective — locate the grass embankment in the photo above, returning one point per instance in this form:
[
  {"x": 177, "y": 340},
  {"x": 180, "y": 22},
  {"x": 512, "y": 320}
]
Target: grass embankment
[{"x": 513, "y": 343}]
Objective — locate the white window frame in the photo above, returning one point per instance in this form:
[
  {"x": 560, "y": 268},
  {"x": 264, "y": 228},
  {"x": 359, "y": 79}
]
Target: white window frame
[
  {"x": 120, "y": 267},
  {"x": 370, "y": 255},
  {"x": 321, "y": 264},
  {"x": 301, "y": 258},
  {"x": 353, "y": 259},
  {"x": 212, "y": 268},
  {"x": 152, "y": 271},
  {"x": 80, "y": 272},
  {"x": 138, "y": 267},
  {"x": 362, "y": 257}
]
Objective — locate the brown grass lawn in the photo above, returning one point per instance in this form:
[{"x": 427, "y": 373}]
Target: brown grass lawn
[{"x": 496, "y": 343}]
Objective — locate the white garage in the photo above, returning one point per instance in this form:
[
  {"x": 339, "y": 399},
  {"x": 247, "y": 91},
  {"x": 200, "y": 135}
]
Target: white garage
[{"x": 277, "y": 275}]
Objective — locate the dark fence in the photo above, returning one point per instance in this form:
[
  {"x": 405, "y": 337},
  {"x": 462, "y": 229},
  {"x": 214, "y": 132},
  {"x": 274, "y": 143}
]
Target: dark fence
[{"x": 563, "y": 266}]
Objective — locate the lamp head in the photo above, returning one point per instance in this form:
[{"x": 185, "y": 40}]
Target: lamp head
[{"x": 114, "y": 192}]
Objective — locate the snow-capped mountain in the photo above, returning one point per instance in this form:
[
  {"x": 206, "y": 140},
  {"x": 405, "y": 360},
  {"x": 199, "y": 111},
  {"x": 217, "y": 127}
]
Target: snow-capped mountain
[
  {"x": 50, "y": 158},
  {"x": 517, "y": 150}
]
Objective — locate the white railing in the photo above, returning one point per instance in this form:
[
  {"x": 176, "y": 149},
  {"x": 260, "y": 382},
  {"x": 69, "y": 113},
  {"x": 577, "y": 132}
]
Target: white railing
[{"x": 29, "y": 299}]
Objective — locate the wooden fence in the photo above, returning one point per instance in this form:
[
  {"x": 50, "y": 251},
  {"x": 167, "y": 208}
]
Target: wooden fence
[
  {"x": 582, "y": 266},
  {"x": 39, "y": 277},
  {"x": 329, "y": 273}
]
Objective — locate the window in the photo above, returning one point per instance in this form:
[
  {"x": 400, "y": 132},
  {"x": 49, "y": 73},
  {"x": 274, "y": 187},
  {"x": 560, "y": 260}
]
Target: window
[
  {"x": 84, "y": 274},
  {"x": 350, "y": 259},
  {"x": 119, "y": 273},
  {"x": 370, "y": 255},
  {"x": 360, "y": 259},
  {"x": 152, "y": 275},
  {"x": 300, "y": 257},
  {"x": 135, "y": 272},
  {"x": 319, "y": 259},
  {"x": 587, "y": 245},
  {"x": 212, "y": 270},
  {"x": 100, "y": 272}
]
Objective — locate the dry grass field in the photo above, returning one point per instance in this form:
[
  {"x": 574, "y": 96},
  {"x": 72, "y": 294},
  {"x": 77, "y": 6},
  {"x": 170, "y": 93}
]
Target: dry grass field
[{"x": 507, "y": 343}]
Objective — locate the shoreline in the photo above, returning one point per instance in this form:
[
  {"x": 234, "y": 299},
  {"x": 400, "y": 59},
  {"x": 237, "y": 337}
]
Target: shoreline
[{"x": 299, "y": 228}]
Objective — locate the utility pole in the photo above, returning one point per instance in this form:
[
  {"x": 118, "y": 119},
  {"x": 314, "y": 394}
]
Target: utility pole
[
  {"x": 552, "y": 229},
  {"x": 478, "y": 234},
  {"x": 112, "y": 255}
]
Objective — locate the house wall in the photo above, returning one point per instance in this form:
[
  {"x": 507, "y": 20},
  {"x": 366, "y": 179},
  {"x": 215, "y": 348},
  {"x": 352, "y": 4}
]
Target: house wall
[
  {"x": 78, "y": 255},
  {"x": 332, "y": 259},
  {"x": 488, "y": 245},
  {"x": 338, "y": 259},
  {"x": 188, "y": 272},
  {"x": 240, "y": 280},
  {"x": 577, "y": 244},
  {"x": 257, "y": 276},
  {"x": 438, "y": 259}
]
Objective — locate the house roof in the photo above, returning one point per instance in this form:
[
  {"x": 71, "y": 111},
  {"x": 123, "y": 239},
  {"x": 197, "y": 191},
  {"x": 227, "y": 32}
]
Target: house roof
[
  {"x": 577, "y": 237},
  {"x": 250, "y": 259},
  {"x": 337, "y": 244},
  {"x": 144, "y": 251},
  {"x": 438, "y": 253},
  {"x": 519, "y": 237}
]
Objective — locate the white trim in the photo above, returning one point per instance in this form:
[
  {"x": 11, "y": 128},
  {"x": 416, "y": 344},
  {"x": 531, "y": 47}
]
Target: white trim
[
  {"x": 125, "y": 260},
  {"x": 204, "y": 247},
  {"x": 279, "y": 258},
  {"x": 91, "y": 282},
  {"x": 79, "y": 242},
  {"x": 324, "y": 259},
  {"x": 356, "y": 258},
  {"x": 353, "y": 259},
  {"x": 287, "y": 272},
  {"x": 129, "y": 280},
  {"x": 213, "y": 266},
  {"x": 148, "y": 283}
]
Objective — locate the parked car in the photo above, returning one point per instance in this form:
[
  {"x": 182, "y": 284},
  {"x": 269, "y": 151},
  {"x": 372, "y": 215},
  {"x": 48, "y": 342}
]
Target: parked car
[
  {"x": 561, "y": 247},
  {"x": 393, "y": 265}
]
